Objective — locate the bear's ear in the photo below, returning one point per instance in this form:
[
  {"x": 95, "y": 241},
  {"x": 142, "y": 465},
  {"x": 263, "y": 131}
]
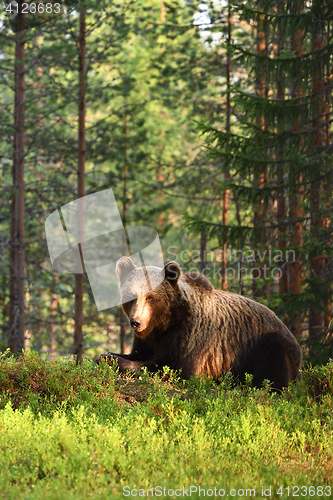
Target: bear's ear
[
  {"x": 124, "y": 267},
  {"x": 171, "y": 272}
]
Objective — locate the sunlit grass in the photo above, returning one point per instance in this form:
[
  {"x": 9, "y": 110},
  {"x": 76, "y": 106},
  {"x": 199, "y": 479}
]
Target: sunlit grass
[{"x": 77, "y": 432}]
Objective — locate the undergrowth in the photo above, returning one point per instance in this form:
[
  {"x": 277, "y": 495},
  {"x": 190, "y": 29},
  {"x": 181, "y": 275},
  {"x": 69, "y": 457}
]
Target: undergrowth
[{"x": 78, "y": 432}]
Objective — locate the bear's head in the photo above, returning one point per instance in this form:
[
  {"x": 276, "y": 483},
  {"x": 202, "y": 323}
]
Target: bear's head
[{"x": 148, "y": 308}]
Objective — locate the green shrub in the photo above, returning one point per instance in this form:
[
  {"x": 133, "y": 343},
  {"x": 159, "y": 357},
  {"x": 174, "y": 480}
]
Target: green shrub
[{"x": 83, "y": 432}]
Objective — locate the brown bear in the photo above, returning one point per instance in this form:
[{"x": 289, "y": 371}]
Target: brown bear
[{"x": 185, "y": 324}]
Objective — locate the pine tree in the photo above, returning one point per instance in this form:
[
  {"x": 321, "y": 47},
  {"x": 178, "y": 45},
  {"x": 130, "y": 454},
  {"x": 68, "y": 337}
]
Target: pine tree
[
  {"x": 140, "y": 71},
  {"x": 283, "y": 154},
  {"x": 16, "y": 338},
  {"x": 78, "y": 333}
]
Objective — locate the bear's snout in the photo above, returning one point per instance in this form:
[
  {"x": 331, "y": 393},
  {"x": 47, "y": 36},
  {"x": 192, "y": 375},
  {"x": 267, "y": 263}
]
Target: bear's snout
[{"x": 135, "y": 322}]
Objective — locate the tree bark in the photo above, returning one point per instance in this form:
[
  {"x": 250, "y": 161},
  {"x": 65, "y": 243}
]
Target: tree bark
[
  {"x": 328, "y": 185},
  {"x": 317, "y": 261},
  {"x": 78, "y": 333},
  {"x": 226, "y": 193},
  {"x": 16, "y": 338},
  {"x": 281, "y": 199},
  {"x": 53, "y": 340},
  {"x": 261, "y": 180},
  {"x": 123, "y": 321},
  {"x": 296, "y": 212},
  {"x": 203, "y": 246}
]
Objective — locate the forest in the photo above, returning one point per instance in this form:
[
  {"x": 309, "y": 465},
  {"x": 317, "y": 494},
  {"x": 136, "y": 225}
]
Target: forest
[
  {"x": 206, "y": 125},
  {"x": 210, "y": 121}
]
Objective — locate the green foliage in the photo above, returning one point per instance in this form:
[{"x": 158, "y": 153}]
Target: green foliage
[
  {"x": 277, "y": 160},
  {"x": 30, "y": 380},
  {"x": 142, "y": 92},
  {"x": 91, "y": 431},
  {"x": 154, "y": 82}
]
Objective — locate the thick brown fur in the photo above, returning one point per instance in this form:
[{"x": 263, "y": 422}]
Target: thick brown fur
[{"x": 185, "y": 324}]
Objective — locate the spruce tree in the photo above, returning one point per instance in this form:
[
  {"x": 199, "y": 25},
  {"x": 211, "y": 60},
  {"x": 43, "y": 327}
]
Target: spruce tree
[{"x": 283, "y": 154}]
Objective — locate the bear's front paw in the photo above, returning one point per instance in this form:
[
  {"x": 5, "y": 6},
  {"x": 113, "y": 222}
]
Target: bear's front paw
[
  {"x": 109, "y": 356},
  {"x": 124, "y": 364}
]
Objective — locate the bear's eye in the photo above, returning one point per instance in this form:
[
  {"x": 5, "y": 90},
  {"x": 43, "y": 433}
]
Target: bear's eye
[{"x": 150, "y": 298}]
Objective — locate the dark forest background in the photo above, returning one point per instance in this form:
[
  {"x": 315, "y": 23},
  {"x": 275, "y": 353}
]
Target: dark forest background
[{"x": 211, "y": 122}]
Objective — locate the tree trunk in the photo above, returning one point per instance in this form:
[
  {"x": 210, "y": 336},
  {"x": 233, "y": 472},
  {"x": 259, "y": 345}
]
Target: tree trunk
[
  {"x": 328, "y": 185},
  {"x": 16, "y": 338},
  {"x": 261, "y": 180},
  {"x": 53, "y": 340},
  {"x": 162, "y": 12},
  {"x": 123, "y": 321},
  {"x": 296, "y": 212},
  {"x": 203, "y": 246},
  {"x": 316, "y": 313},
  {"x": 78, "y": 334},
  {"x": 281, "y": 199},
  {"x": 226, "y": 193},
  {"x": 317, "y": 261}
]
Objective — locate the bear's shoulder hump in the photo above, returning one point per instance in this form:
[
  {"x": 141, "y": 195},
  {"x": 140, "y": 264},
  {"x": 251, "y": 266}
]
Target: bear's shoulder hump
[{"x": 198, "y": 281}]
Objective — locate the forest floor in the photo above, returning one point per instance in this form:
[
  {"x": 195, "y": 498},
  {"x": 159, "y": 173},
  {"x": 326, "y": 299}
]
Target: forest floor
[{"x": 81, "y": 432}]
